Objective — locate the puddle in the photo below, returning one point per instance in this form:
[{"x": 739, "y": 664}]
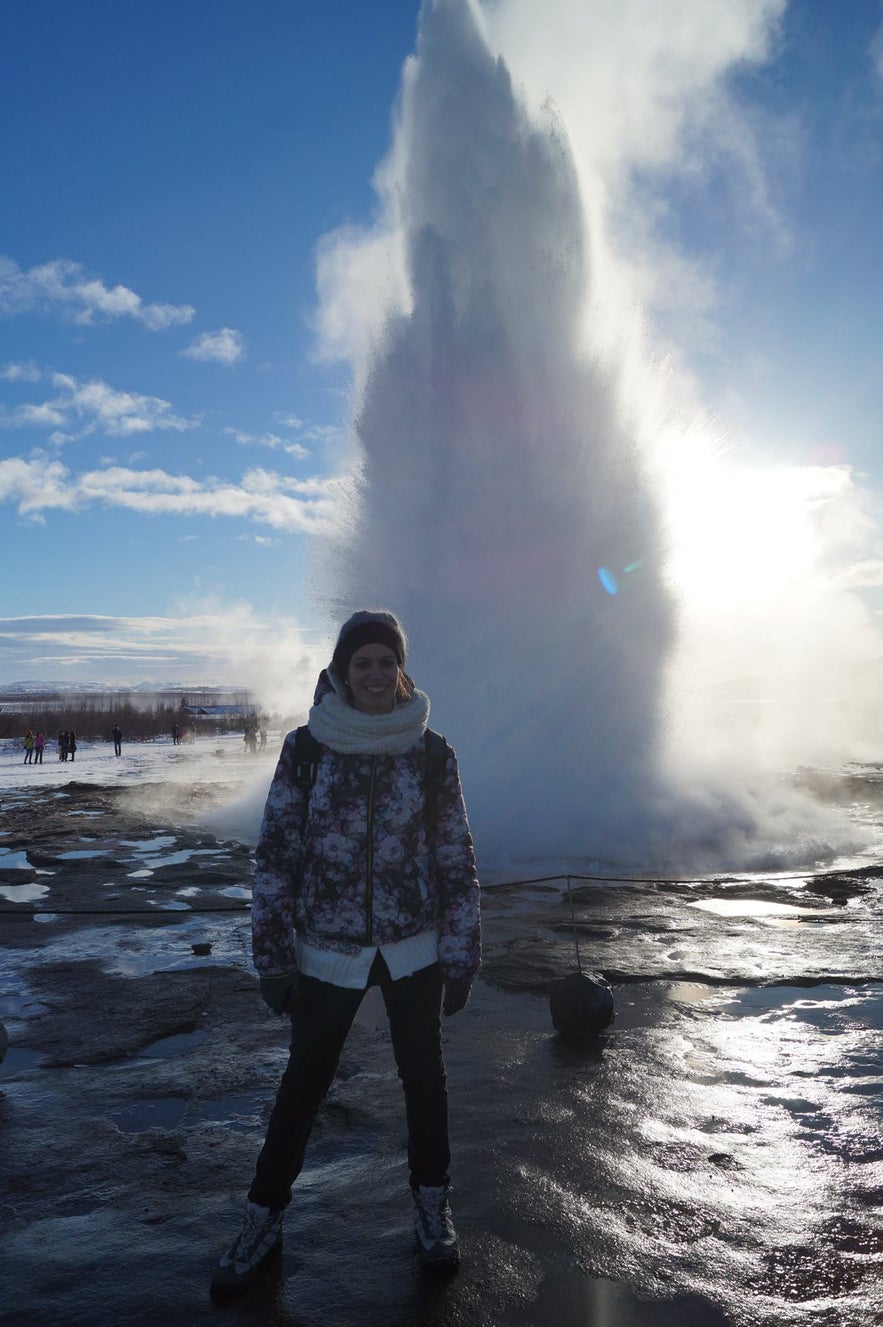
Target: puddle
[
  {"x": 158, "y": 1113},
  {"x": 138, "y": 875},
  {"x": 235, "y": 891},
  {"x": 179, "y": 858},
  {"x": 14, "y": 861},
  {"x": 174, "y": 905},
  {"x": 239, "y": 1114},
  {"x": 149, "y": 845},
  {"x": 748, "y": 907},
  {"x": 45, "y": 917},
  {"x": 79, "y": 854},
  {"x": 166, "y": 1047},
  {"x": 23, "y": 893}
]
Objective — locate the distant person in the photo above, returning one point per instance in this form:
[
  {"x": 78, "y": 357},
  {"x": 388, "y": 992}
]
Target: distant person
[
  {"x": 364, "y": 876},
  {"x": 39, "y": 748},
  {"x": 62, "y": 746},
  {"x": 72, "y": 744},
  {"x": 29, "y": 747},
  {"x": 176, "y": 734},
  {"x": 263, "y": 739},
  {"x": 117, "y": 740}
]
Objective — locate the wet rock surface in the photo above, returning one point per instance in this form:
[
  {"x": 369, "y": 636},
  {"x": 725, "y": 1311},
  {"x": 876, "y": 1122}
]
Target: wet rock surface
[{"x": 716, "y": 1157}]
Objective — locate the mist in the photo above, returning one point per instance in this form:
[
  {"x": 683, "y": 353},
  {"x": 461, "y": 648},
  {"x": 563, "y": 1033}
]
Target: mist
[{"x": 631, "y": 638}]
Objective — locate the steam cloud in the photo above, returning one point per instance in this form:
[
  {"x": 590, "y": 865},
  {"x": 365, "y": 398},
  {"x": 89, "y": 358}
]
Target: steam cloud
[{"x": 513, "y": 499}]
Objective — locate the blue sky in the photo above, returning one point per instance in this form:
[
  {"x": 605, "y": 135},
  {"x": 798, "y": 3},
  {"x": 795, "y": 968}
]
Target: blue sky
[{"x": 169, "y": 433}]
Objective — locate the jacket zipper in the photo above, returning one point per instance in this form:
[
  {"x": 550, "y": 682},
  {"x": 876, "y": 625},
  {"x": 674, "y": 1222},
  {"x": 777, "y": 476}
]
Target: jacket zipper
[{"x": 369, "y": 893}]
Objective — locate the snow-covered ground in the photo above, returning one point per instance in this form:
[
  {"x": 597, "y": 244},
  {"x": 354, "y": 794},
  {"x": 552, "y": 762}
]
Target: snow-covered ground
[
  {"x": 241, "y": 779},
  {"x": 207, "y": 760}
]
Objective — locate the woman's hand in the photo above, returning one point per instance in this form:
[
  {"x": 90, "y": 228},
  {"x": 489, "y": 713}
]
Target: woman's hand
[
  {"x": 456, "y": 994},
  {"x": 278, "y": 992}
]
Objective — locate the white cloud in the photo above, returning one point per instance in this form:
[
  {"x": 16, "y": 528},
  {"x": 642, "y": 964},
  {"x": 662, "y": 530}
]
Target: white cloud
[
  {"x": 20, "y": 373},
  {"x": 36, "y": 485},
  {"x": 33, "y": 416},
  {"x": 39, "y": 485},
  {"x": 225, "y": 346},
  {"x": 83, "y": 407},
  {"x": 63, "y": 286},
  {"x": 203, "y": 642},
  {"x": 271, "y": 440},
  {"x": 287, "y": 421}
]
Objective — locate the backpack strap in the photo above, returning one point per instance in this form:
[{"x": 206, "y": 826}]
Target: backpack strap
[
  {"x": 437, "y": 752},
  {"x": 307, "y": 753}
]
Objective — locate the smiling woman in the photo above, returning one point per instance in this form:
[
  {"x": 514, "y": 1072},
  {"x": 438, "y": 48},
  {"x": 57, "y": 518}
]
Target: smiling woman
[
  {"x": 364, "y": 876},
  {"x": 374, "y": 680}
]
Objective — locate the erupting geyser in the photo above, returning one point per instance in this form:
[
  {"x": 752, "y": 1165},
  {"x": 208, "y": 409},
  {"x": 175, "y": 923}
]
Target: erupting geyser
[
  {"x": 502, "y": 499},
  {"x": 497, "y": 480}
]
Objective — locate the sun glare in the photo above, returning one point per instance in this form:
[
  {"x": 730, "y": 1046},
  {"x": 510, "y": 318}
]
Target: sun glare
[{"x": 738, "y": 535}]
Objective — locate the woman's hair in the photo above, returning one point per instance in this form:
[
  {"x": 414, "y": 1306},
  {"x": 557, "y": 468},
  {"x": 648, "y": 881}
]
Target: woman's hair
[{"x": 404, "y": 686}]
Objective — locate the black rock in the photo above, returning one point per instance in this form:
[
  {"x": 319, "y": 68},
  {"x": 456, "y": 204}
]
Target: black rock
[{"x": 581, "y": 1004}]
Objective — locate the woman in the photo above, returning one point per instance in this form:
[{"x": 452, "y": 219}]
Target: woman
[{"x": 364, "y": 875}]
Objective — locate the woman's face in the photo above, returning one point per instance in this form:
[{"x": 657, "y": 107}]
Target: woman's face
[{"x": 373, "y": 677}]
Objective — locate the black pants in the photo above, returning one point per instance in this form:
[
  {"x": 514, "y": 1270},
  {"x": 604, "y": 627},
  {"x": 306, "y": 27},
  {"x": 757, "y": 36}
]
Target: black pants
[{"x": 320, "y": 1020}]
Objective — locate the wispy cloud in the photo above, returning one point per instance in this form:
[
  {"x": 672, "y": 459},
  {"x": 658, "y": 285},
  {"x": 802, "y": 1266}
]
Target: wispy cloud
[
  {"x": 79, "y": 408},
  {"x": 225, "y": 346},
  {"x": 271, "y": 440},
  {"x": 63, "y": 286},
  {"x": 20, "y": 373},
  {"x": 205, "y": 643},
  {"x": 39, "y": 485},
  {"x": 90, "y": 643}
]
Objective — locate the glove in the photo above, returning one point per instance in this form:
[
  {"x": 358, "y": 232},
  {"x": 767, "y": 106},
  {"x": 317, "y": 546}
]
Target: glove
[
  {"x": 456, "y": 994},
  {"x": 278, "y": 992}
]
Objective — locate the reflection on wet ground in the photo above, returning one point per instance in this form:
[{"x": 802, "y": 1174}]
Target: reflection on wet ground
[{"x": 714, "y": 1158}]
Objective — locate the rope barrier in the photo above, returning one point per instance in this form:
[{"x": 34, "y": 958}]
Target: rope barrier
[{"x": 498, "y": 884}]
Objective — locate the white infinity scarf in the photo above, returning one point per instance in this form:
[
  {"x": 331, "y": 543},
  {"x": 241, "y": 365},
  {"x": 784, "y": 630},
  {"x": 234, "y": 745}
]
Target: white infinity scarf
[{"x": 336, "y": 724}]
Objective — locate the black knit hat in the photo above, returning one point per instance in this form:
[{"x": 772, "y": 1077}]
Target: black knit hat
[{"x": 367, "y": 628}]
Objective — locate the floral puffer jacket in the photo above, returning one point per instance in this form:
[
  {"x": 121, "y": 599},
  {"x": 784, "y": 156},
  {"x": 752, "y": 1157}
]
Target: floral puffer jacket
[{"x": 361, "y": 860}]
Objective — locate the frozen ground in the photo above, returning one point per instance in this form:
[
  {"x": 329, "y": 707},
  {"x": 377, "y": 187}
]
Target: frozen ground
[{"x": 716, "y": 1158}]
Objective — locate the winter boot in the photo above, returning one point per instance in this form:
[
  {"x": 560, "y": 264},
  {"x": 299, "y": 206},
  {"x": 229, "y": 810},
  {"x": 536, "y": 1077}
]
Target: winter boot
[
  {"x": 437, "y": 1245},
  {"x": 259, "y": 1240}
]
